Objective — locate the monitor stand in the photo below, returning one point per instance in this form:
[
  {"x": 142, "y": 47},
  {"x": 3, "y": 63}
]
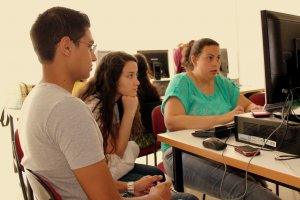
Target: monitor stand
[{"x": 276, "y": 107}]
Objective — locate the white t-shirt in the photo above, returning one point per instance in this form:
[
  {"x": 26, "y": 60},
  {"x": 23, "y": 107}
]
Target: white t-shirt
[{"x": 59, "y": 134}]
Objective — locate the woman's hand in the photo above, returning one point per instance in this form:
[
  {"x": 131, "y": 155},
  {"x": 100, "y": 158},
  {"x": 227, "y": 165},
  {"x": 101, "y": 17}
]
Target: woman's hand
[
  {"x": 230, "y": 115},
  {"x": 130, "y": 105},
  {"x": 253, "y": 106}
]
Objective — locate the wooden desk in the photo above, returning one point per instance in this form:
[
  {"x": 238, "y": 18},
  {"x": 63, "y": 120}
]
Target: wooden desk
[
  {"x": 286, "y": 173},
  {"x": 244, "y": 89}
]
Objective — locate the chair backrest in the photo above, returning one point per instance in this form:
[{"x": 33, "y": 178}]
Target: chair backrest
[
  {"x": 42, "y": 189},
  {"x": 17, "y": 156},
  {"x": 258, "y": 98},
  {"x": 146, "y": 114},
  {"x": 19, "y": 152},
  {"x": 158, "y": 124}
]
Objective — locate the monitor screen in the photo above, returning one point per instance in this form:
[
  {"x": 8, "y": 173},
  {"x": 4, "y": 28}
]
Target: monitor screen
[
  {"x": 224, "y": 62},
  {"x": 281, "y": 42},
  {"x": 157, "y": 58}
]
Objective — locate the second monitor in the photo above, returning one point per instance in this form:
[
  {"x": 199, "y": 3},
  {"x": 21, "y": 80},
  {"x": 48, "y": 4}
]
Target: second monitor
[{"x": 158, "y": 61}]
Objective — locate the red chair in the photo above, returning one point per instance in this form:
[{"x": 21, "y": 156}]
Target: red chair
[
  {"x": 31, "y": 186},
  {"x": 18, "y": 155},
  {"x": 158, "y": 126},
  {"x": 258, "y": 98},
  {"x": 146, "y": 115},
  {"x": 42, "y": 189}
]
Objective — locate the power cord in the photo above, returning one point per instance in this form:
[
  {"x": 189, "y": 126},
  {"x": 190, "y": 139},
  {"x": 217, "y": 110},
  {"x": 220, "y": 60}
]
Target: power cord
[{"x": 225, "y": 170}]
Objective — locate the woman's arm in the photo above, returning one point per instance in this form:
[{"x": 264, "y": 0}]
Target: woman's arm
[
  {"x": 176, "y": 118},
  {"x": 130, "y": 105}
]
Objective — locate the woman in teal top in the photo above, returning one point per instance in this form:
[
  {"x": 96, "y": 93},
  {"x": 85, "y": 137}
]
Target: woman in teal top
[
  {"x": 200, "y": 99},
  {"x": 196, "y": 103}
]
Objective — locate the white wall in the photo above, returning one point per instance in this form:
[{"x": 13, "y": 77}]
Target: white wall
[
  {"x": 136, "y": 25},
  {"x": 250, "y": 47}
]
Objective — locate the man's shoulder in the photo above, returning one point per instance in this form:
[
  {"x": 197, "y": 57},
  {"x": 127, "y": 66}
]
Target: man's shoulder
[
  {"x": 50, "y": 88},
  {"x": 49, "y": 97}
]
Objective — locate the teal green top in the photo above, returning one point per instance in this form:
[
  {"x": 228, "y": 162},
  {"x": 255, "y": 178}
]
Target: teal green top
[{"x": 223, "y": 100}]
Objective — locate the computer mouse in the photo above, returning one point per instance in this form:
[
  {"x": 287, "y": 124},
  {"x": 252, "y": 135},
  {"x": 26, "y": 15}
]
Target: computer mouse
[{"x": 214, "y": 143}]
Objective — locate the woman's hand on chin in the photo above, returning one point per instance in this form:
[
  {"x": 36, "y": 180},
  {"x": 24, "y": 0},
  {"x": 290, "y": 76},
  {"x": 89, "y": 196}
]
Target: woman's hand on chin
[{"x": 130, "y": 104}]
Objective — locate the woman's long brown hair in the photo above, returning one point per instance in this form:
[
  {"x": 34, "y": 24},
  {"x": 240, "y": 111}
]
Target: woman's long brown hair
[{"x": 103, "y": 86}]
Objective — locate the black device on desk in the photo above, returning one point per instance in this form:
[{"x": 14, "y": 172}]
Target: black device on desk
[
  {"x": 255, "y": 131},
  {"x": 220, "y": 131},
  {"x": 214, "y": 143}
]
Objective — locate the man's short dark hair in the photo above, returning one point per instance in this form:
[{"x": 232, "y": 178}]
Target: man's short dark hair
[{"x": 52, "y": 25}]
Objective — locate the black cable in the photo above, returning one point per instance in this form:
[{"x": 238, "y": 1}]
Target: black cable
[{"x": 223, "y": 177}]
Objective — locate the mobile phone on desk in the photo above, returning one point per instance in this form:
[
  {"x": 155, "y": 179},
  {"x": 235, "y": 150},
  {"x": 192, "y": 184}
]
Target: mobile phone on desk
[
  {"x": 260, "y": 113},
  {"x": 247, "y": 150}
]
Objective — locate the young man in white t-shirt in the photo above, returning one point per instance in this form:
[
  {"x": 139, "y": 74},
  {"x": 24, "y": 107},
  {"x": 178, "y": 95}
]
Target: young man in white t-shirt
[{"x": 59, "y": 137}]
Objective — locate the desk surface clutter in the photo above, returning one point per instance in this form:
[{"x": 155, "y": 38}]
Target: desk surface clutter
[{"x": 285, "y": 172}]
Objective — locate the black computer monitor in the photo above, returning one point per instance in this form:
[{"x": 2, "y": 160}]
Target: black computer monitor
[
  {"x": 224, "y": 62},
  {"x": 157, "y": 59},
  {"x": 281, "y": 44}
]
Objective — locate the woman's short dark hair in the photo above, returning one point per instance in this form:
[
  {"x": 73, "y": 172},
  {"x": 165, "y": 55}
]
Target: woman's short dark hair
[{"x": 52, "y": 25}]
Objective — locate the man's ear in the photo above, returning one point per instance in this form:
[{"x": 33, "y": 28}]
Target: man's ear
[{"x": 65, "y": 45}]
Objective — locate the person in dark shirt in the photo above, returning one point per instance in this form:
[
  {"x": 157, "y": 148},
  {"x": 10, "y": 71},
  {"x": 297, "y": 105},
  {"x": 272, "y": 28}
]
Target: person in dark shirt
[{"x": 146, "y": 91}]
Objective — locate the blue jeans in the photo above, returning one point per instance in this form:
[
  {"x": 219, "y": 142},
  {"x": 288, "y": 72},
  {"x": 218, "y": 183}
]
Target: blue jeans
[
  {"x": 140, "y": 170},
  {"x": 205, "y": 175}
]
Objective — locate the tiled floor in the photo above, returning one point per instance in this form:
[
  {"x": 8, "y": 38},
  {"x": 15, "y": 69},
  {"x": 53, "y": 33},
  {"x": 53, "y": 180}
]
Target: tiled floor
[{"x": 9, "y": 182}]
